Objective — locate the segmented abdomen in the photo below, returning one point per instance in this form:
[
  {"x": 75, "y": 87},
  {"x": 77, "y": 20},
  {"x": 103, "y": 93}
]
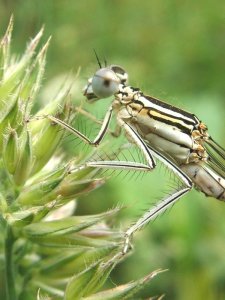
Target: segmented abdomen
[{"x": 206, "y": 180}]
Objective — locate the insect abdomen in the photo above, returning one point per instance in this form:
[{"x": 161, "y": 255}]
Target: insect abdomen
[{"x": 206, "y": 180}]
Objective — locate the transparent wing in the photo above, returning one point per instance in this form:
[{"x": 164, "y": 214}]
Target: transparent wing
[{"x": 216, "y": 156}]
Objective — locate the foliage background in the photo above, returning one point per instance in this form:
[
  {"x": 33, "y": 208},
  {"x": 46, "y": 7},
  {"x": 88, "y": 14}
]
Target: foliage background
[{"x": 175, "y": 51}]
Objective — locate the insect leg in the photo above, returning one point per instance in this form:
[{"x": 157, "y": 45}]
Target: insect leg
[
  {"x": 163, "y": 204},
  {"x": 112, "y": 164},
  {"x": 128, "y": 165},
  {"x": 117, "y": 131},
  {"x": 152, "y": 214},
  {"x": 138, "y": 141},
  {"x": 76, "y": 132}
]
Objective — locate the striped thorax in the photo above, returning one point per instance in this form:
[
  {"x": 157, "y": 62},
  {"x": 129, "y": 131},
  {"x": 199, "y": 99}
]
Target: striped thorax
[{"x": 176, "y": 133}]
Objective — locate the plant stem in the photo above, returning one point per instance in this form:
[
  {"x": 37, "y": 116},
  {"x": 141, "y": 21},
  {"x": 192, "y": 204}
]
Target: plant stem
[{"x": 9, "y": 268}]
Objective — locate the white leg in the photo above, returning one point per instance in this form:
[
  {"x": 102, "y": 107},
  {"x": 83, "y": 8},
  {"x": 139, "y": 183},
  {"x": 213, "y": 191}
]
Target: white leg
[
  {"x": 164, "y": 204},
  {"x": 147, "y": 150},
  {"x": 152, "y": 214},
  {"x": 77, "y": 133}
]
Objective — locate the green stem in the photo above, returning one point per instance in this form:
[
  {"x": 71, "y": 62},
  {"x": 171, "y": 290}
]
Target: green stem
[{"x": 9, "y": 267}]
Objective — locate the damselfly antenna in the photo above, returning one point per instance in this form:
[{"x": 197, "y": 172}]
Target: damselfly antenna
[
  {"x": 96, "y": 55},
  {"x": 105, "y": 61}
]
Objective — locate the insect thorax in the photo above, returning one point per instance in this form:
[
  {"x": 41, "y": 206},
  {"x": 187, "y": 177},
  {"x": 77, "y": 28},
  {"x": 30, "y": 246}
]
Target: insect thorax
[
  {"x": 127, "y": 94},
  {"x": 130, "y": 106}
]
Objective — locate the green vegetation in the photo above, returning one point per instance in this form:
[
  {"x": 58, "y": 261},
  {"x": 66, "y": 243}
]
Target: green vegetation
[
  {"x": 45, "y": 248},
  {"x": 174, "y": 51}
]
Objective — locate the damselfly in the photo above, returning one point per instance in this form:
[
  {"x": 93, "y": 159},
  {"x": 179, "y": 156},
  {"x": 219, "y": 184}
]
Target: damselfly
[{"x": 162, "y": 131}]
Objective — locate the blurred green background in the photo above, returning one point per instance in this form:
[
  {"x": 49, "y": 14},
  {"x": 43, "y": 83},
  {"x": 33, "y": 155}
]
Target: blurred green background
[{"x": 172, "y": 50}]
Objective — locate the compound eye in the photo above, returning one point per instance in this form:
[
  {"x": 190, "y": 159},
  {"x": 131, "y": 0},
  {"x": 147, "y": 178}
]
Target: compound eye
[
  {"x": 105, "y": 83},
  {"x": 120, "y": 73}
]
